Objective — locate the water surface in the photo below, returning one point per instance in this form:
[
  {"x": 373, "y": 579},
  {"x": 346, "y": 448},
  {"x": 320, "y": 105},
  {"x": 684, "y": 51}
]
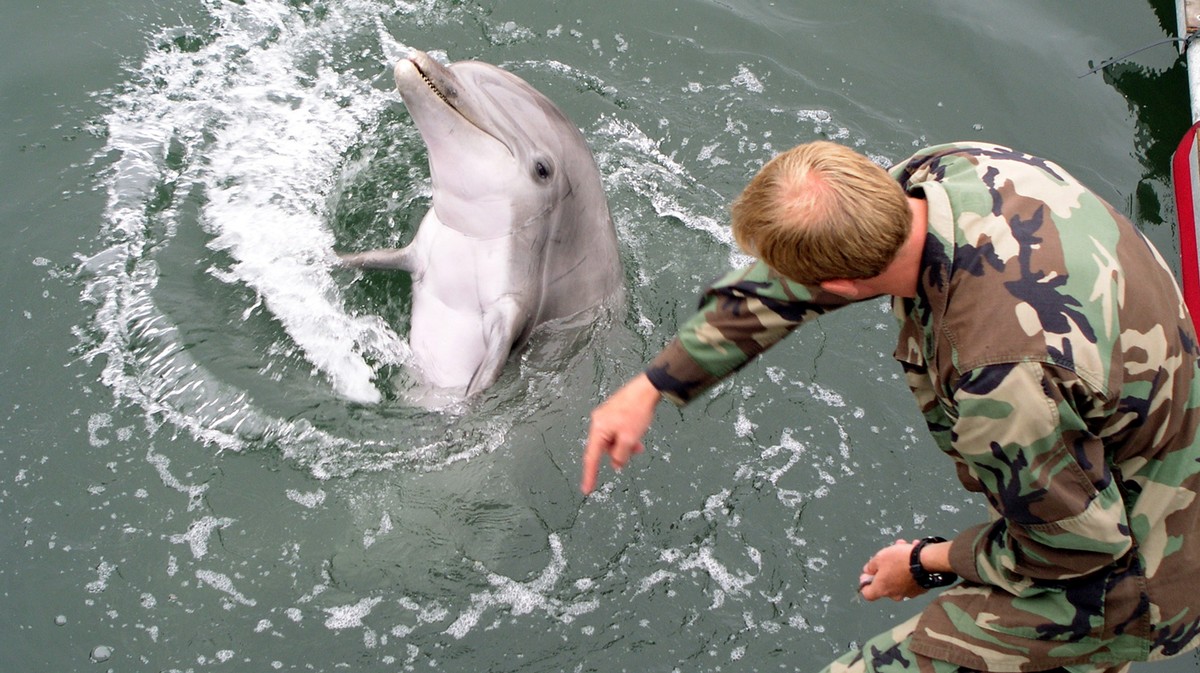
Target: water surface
[{"x": 210, "y": 460}]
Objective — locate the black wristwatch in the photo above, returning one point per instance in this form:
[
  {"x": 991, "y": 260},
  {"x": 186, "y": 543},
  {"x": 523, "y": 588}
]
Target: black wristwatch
[{"x": 924, "y": 578}]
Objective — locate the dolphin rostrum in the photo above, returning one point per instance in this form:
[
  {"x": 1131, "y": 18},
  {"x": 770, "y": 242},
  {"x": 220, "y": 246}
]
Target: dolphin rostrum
[{"x": 519, "y": 231}]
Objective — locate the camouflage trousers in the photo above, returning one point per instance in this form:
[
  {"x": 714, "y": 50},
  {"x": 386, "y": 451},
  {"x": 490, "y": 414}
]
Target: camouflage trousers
[{"x": 889, "y": 652}]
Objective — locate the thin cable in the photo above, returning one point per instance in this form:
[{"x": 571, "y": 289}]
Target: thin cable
[{"x": 1116, "y": 59}]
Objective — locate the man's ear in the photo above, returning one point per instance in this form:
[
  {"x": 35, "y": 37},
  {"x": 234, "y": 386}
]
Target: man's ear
[{"x": 842, "y": 287}]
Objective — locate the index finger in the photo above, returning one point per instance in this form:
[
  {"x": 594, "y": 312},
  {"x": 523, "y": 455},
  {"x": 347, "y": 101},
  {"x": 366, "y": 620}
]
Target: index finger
[{"x": 592, "y": 453}]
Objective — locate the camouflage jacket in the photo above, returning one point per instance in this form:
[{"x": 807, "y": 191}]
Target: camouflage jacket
[{"x": 1054, "y": 362}]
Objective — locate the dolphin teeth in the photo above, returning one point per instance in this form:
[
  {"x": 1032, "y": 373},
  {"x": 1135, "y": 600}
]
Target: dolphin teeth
[{"x": 429, "y": 83}]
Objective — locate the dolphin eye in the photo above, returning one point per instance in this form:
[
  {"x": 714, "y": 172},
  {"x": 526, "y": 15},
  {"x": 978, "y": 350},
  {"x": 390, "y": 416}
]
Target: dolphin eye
[{"x": 542, "y": 170}]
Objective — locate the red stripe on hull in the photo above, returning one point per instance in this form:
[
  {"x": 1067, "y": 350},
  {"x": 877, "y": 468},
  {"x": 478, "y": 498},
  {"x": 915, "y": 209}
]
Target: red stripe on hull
[{"x": 1185, "y": 174}]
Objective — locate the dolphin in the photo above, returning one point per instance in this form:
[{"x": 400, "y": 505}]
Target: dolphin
[{"x": 519, "y": 232}]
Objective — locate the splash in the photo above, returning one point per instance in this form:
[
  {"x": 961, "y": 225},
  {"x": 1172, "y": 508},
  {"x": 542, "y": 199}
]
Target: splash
[
  {"x": 253, "y": 116},
  {"x": 241, "y": 132},
  {"x": 234, "y": 152},
  {"x": 522, "y": 598}
]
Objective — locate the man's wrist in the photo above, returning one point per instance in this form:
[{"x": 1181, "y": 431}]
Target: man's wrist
[
  {"x": 643, "y": 387},
  {"x": 925, "y": 577}
]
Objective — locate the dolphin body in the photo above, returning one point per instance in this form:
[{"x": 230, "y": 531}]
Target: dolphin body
[{"x": 519, "y": 231}]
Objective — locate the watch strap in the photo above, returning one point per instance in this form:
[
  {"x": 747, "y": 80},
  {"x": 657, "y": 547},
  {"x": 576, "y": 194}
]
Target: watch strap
[{"x": 924, "y": 578}]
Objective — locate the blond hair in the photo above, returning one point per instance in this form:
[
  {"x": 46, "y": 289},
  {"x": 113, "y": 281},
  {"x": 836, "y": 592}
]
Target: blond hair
[{"x": 821, "y": 212}]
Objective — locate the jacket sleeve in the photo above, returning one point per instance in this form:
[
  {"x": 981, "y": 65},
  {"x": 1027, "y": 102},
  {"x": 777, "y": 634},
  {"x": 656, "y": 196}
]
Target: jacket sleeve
[
  {"x": 741, "y": 315},
  {"x": 1022, "y": 432}
]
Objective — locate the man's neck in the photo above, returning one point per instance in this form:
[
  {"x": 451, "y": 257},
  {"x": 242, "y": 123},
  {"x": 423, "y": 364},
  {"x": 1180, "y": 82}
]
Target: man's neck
[{"x": 905, "y": 270}]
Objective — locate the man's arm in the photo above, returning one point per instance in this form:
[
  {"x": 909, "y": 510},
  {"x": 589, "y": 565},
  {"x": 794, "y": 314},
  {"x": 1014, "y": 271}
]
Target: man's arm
[
  {"x": 741, "y": 315},
  {"x": 1022, "y": 434}
]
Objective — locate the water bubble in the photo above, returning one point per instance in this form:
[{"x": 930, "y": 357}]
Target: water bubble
[
  {"x": 60, "y": 620},
  {"x": 101, "y": 653}
]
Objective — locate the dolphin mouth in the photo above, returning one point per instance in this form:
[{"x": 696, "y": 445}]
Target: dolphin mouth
[
  {"x": 429, "y": 83},
  {"x": 437, "y": 91}
]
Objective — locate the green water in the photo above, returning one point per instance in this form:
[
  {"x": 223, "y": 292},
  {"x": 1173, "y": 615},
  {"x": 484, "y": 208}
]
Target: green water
[{"x": 185, "y": 489}]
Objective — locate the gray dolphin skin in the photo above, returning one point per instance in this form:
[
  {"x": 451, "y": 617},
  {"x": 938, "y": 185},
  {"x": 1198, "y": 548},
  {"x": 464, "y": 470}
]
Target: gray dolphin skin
[{"x": 519, "y": 231}]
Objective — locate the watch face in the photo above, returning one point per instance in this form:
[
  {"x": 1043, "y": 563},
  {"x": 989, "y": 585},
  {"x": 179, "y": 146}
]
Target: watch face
[{"x": 929, "y": 580}]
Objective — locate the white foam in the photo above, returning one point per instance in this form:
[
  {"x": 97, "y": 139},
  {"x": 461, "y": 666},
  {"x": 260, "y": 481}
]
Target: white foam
[
  {"x": 103, "y": 571},
  {"x": 198, "y": 533},
  {"x": 308, "y": 500},
  {"x": 748, "y": 80},
  {"x": 522, "y": 598},
  {"x": 163, "y": 464},
  {"x": 655, "y": 578},
  {"x": 97, "y": 422},
  {"x": 222, "y": 583},
  {"x": 350, "y": 616},
  {"x": 829, "y": 397},
  {"x": 385, "y": 526},
  {"x": 729, "y": 581},
  {"x": 743, "y": 426}
]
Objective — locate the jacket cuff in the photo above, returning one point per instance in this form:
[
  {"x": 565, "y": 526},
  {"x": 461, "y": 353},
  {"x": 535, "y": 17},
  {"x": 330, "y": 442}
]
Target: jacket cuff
[
  {"x": 962, "y": 553},
  {"x": 677, "y": 375}
]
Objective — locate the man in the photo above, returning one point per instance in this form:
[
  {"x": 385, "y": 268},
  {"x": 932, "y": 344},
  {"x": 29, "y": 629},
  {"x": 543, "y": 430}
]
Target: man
[{"x": 1049, "y": 350}]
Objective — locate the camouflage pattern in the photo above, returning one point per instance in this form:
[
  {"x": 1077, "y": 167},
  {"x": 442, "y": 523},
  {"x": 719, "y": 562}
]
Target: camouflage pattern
[
  {"x": 890, "y": 652},
  {"x": 1053, "y": 359}
]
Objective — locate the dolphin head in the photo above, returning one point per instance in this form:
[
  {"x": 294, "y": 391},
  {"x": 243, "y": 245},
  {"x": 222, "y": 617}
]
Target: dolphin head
[{"x": 501, "y": 154}]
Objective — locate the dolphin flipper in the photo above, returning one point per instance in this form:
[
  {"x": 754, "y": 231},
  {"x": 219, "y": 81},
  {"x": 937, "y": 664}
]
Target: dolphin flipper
[
  {"x": 502, "y": 324},
  {"x": 397, "y": 259}
]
